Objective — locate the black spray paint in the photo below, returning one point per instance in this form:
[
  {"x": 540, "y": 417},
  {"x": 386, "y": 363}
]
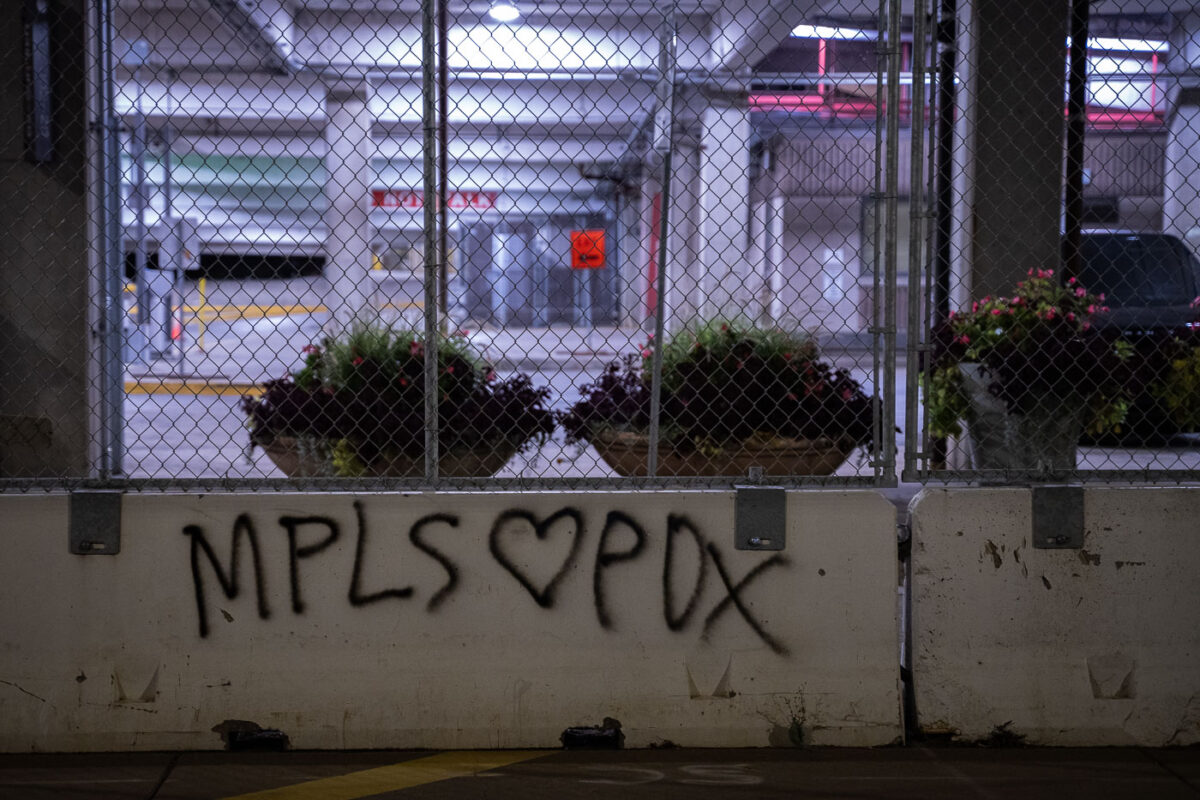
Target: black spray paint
[
  {"x": 357, "y": 598},
  {"x": 416, "y": 536},
  {"x": 296, "y": 552},
  {"x": 242, "y": 526},
  {"x": 507, "y": 529},
  {"x": 544, "y": 597},
  {"x": 675, "y": 524},
  {"x": 606, "y": 558}
]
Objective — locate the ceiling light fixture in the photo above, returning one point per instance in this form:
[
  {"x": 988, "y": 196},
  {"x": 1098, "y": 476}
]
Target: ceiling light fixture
[{"x": 503, "y": 11}]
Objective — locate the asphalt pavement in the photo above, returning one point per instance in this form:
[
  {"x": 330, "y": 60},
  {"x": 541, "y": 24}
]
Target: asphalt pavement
[{"x": 897, "y": 773}]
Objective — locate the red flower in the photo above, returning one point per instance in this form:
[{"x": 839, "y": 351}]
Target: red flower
[{"x": 356, "y": 360}]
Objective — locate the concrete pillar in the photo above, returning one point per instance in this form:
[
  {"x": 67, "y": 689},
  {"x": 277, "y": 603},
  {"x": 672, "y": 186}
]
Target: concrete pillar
[
  {"x": 347, "y": 191},
  {"x": 685, "y": 291},
  {"x": 1181, "y": 173},
  {"x": 756, "y": 261},
  {"x": 775, "y": 255},
  {"x": 1010, "y": 151},
  {"x": 45, "y": 427},
  {"x": 632, "y": 254},
  {"x": 724, "y": 207}
]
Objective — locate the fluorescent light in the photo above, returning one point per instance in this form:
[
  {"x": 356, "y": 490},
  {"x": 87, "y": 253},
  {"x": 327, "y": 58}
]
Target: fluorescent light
[
  {"x": 503, "y": 11},
  {"x": 831, "y": 32},
  {"x": 1127, "y": 45}
]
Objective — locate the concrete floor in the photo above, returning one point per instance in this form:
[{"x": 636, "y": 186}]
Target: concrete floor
[{"x": 928, "y": 773}]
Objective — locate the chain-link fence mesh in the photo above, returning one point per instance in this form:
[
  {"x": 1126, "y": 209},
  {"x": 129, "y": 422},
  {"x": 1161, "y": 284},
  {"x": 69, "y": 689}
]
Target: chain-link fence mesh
[
  {"x": 394, "y": 243},
  {"x": 1059, "y": 310}
]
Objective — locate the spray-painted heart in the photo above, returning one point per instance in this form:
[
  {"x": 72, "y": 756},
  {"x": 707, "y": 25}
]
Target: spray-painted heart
[{"x": 544, "y": 597}]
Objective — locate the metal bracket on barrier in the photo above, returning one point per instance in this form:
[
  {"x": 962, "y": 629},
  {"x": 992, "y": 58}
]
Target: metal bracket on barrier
[
  {"x": 760, "y": 518},
  {"x": 94, "y": 523},
  {"x": 1057, "y": 517}
]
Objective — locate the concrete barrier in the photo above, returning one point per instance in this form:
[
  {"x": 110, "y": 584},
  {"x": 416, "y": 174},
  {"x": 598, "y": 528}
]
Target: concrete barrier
[
  {"x": 1091, "y": 646},
  {"x": 448, "y": 621}
]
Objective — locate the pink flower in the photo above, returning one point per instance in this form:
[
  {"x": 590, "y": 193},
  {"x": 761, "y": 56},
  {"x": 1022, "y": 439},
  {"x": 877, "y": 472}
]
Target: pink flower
[
  {"x": 1195, "y": 303},
  {"x": 1081, "y": 292},
  {"x": 647, "y": 352},
  {"x": 450, "y": 369},
  {"x": 847, "y": 394},
  {"x": 356, "y": 360},
  {"x": 975, "y": 305},
  {"x": 1050, "y": 313},
  {"x": 1072, "y": 281},
  {"x": 491, "y": 375},
  {"x": 1070, "y": 316},
  {"x": 964, "y": 339},
  {"x": 416, "y": 349},
  {"x": 954, "y": 314},
  {"x": 1091, "y": 309},
  {"x": 1030, "y": 274},
  {"x": 650, "y": 337},
  {"x": 996, "y": 312},
  {"x": 403, "y": 381},
  {"x": 310, "y": 349}
]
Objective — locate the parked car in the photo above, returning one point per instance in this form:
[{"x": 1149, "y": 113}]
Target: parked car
[{"x": 1150, "y": 282}]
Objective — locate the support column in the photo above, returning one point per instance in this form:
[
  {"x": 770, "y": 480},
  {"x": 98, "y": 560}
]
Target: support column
[
  {"x": 50, "y": 319},
  {"x": 724, "y": 207},
  {"x": 1181, "y": 172},
  {"x": 1010, "y": 152},
  {"x": 347, "y": 192},
  {"x": 775, "y": 255},
  {"x": 685, "y": 293}
]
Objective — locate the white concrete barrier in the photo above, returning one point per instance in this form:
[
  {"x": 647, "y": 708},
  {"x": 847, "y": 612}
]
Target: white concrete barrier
[
  {"x": 448, "y": 621},
  {"x": 1094, "y": 646}
]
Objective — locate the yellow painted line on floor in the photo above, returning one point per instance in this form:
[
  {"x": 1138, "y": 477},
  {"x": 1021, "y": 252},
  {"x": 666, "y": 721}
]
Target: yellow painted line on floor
[
  {"x": 193, "y": 387},
  {"x": 394, "y": 777},
  {"x": 236, "y": 312}
]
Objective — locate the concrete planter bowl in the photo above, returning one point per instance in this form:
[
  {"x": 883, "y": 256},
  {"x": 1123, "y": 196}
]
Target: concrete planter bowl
[
  {"x": 627, "y": 452},
  {"x": 314, "y": 458}
]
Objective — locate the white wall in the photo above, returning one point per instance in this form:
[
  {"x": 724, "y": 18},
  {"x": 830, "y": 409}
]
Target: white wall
[
  {"x": 107, "y": 652},
  {"x": 1097, "y": 646}
]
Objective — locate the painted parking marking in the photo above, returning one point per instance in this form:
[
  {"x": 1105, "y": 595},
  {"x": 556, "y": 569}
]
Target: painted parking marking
[
  {"x": 191, "y": 387},
  {"x": 394, "y": 777}
]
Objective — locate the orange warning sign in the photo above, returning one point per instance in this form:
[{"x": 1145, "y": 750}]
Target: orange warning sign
[{"x": 587, "y": 249}]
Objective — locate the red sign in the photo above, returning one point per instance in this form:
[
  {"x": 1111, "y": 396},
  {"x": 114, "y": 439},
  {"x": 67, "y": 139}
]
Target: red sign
[
  {"x": 410, "y": 198},
  {"x": 587, "y": 249}
]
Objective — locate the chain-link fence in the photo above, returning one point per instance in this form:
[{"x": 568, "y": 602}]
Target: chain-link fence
[
  {"x": 389, "y": 243},
  {"x": 1058, "y": 228}
]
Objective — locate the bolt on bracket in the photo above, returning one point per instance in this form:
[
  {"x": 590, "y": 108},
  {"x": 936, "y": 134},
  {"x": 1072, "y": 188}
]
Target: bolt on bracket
[
  {"x": 94, "y": 523},
  {"x": 1057, "y": 517}
]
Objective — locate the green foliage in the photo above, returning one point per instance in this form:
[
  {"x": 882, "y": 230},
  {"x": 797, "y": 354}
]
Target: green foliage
[
  {"x": 1179, "y": 389},
  {"x": 727, "y": 382},
  {"x": 715, "y": 348},
  {"x": 1039, "y": 343}
]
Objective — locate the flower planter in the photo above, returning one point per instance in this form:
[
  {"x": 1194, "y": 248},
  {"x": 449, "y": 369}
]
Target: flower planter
[
  {"x": 627, "y": 452},
  {"x": 1042, "y": 440},
  {"x": 296, "y": 461}
]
